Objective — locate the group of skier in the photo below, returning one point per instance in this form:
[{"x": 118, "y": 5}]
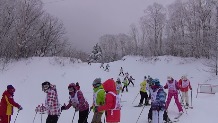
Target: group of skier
[
  {"x": 106, "y": 98},
  {"x": 151, "y": 89}
]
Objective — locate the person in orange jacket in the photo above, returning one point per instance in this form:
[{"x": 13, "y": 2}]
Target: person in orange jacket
[
  {"x": 112, "y": 102},
  {"x": 7, "y": 104},
  {"x": 184, "y": 86}
]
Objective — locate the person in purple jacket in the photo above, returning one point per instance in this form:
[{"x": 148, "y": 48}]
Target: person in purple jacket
[{"x": 78, "y": 101}]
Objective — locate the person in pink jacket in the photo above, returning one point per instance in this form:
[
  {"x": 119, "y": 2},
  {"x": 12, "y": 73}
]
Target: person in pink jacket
[
  {"x": 112, "y": 102},
  {"x": 172, "y": 87},
  {"x": 78, "y": 101}
]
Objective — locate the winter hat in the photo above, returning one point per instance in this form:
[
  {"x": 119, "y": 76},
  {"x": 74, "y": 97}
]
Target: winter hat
[
  {"x": 97, "y": 82},
  {"x": 184, "y": 78},
  {"x": 72, "y": 87},
  {"x": 145, "y": 77},
  {"x": 156, "y": 82},
  {"x": 10, "y": 87},
  {"x": 169, "y": 78}
]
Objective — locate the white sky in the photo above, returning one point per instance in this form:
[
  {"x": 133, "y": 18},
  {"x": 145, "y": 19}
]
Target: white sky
[
  {"x": 87, "y": 20},
  {"x": 26, "y": 76}
]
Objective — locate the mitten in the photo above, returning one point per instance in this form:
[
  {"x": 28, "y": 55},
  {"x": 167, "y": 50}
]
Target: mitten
[{"x": 63, "y": 108}]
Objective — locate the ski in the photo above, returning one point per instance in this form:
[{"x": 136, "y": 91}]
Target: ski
[
  {"x": 138, "y": 106},
  {"x": 176, "y": 120}
]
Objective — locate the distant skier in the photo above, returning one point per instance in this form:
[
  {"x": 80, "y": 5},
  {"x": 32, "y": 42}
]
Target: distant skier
[
  {"x": 127, "y": 75},
  {"x": 131, "y": 80},
  {"x": 107, "y": 68},
  {"x": 118, "y": 86},
  {"x": 102, "y": 65},
  {"x": 6, "y": 105},
  {"x": 125, "y": 84},
  {"x": 121, "y": 71},
  {"x": 184, "y": 85},
  {"x": 173, "y": 88},
  {"x": 51, "y": 102}
]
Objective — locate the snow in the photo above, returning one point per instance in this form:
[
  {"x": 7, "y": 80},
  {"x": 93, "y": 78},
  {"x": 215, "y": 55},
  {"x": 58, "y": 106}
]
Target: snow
[{"x": 27, "y": 75}]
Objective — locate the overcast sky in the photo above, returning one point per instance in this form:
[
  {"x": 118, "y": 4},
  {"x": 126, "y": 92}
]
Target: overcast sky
[{"x": 86, "y": 20}]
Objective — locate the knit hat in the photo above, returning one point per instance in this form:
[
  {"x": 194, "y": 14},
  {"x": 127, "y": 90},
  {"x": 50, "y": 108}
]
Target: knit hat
[
  {"x": 10, "y": 87},
  {"x": 97, "y": 82}
]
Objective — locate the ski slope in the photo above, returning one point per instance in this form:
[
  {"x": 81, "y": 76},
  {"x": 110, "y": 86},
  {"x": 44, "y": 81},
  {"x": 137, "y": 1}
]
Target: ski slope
[{"x": 27, "y": 75}]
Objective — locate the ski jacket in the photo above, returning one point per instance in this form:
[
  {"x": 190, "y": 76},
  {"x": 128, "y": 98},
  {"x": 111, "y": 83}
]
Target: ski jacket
[
  {"x": 184, "y": 85},
  {"x": 110, "y": 102},
  {"x": 125, "y": 82},
  {"x": 51, "y": 102},
  {"x": 78, "y": 101},
  {"x": 158, "y": 98},
  {"x": 172, "y": 86},
  {"x": 7, "y": 104},
  {"x": 143, "y": 86},
  {"x": 98, "y": 96}
]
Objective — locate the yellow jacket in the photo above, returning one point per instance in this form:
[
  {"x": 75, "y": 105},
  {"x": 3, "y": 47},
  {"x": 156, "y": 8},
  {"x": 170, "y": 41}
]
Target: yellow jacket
[{"x": 143, "y": 86}]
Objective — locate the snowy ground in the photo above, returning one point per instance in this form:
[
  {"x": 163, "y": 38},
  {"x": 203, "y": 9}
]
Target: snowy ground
[{"x": 27, "y": 75}]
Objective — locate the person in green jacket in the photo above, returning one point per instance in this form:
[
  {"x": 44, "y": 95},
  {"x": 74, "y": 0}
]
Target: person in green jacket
[
  {"x": 98, "y": 99},
  {"x": 143, "y": 92},
  {"x": 125, "y": 84}
]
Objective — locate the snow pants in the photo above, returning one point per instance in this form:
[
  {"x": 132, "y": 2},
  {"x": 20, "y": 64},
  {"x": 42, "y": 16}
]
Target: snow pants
[
  {"x": 52, "y": 119},
  {"x": 185, "y": 98},
  {"x": 144, "y": 96},
  {"x": 97, "y": 117},
  {"x": 165, "y": 115},
  {"x": 83, "y": 116},
  {"x": 157, "y": 116},
  {"x": 5, "y": 118},
  {"x": 175, "y": 95}
]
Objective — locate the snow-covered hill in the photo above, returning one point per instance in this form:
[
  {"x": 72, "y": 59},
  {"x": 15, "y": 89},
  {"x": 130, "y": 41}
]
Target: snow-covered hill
[{"x": 27, "y": 75}]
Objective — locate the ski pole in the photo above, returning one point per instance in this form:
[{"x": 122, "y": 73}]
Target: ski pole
[
  {"x": 140, "y": 114},
  {"x": 34, "y": 117},
  {"x": 73, "y": 115},
  {"x": 41, "y": 117},
  {"x": 191, "y": 100},
  {"x": 16, "y": 116},
  {"x": 135, "y": 98}
]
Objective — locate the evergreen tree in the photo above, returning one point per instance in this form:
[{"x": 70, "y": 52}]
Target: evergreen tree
[{"x": 96, "y": 54}]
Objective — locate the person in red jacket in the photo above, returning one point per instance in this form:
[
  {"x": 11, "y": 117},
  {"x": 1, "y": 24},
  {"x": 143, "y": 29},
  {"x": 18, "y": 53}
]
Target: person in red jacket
[
  {"x": 7, "y": 104},
  {"x": 112, "y": 102},
  {"x": 184, "y": 86}
]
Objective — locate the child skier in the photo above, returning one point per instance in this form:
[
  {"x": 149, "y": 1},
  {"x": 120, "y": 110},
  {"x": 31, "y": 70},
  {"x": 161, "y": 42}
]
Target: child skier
[
  {"x": 51, "y": 102},
  {"x": 121, "y": 71},
  {"x": 78, "y": 101},
  {"x": 112, "y": 102},
  {"x": 118, "y": 86},
  {"x": 125, "y": 84},
  {"x": 131, "y": 80},
  {"x": 102, "y": 65},
  {"x": 98, "y": 99},
  {"x": 184, "y": 85},
  {"x": 6, "y": 105},
  {"x": 158, "y": 97},
  {"x": 107, "y": 68},
  {"x": 152, "y": 85},
  {"x": 172, "y": 87}
]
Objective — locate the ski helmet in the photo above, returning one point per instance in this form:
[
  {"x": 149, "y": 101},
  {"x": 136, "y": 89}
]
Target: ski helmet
[
  {"x": 72, "y": 87},
  {"x": 45, "y": 85},
  {"x": 156, "y": 82},
  {"x": 96, "y": 82}
]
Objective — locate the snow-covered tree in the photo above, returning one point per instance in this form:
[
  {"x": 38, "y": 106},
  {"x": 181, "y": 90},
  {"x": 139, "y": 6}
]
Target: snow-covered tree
[{"x": 96, "y": 54}]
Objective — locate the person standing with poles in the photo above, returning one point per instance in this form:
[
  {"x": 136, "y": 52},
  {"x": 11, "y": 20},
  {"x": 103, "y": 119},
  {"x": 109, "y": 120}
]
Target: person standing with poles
[
  {"x": 184, "y": 86},
  {"x": 112, "y": 102},
  {"x": 173, "y": 88},
  {"x": 51, "y": 102},
  {"x": 98, "y": 99},
  {"x": 7, "y": 104},
  {"x": 78, "y": 101},
  {"x": 143, "y": 92}
]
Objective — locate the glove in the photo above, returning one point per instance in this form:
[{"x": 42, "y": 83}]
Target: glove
[
  {"x": 91, "y": 107},
  {"x": 63, "y": 108},
  {"x": 20, "y": 108},
  {"x": 96, "y": 109},
  {"x": 191, "y": 89}
]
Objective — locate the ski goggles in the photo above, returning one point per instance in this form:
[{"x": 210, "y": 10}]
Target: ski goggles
[
  {"x": 71, "y": 89},
  {"x": 45, "y": 87}
]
